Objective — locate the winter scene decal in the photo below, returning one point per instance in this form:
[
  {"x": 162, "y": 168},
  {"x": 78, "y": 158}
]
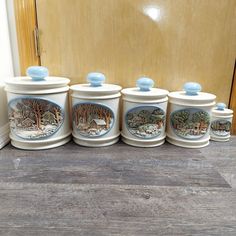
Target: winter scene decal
[
  {"x": 221, "y": 127},
  {"x": 190, "y": 123},
  {"x": 145, "y": 121},
  {"x": 34, "y": 118},
  {"x": 92, "y": 120}
]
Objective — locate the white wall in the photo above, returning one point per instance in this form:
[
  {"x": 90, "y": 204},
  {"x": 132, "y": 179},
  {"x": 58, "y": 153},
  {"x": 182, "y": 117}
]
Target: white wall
[
  {"x": 6, "y": 64},
  {"x": 6, "y": 71},
  {"x": 13, "y": 36}
]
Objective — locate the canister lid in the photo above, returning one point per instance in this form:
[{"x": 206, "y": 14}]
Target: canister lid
[
  {"x": 144, "y": 91},
  {"x": 96, "y": 86},
  {"x": 192, "y": 96},
  {"x": 37, "y": 81},
  {"x": 221, "y": 110}
]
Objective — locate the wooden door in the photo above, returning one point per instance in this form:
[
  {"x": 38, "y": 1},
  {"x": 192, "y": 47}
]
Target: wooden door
[
  {"x": 26, "y": 23},
  {"x": 169, "y": 41}
]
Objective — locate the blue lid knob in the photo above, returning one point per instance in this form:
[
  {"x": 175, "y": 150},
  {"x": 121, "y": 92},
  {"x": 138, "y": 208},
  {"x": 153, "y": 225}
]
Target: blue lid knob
[
  {"x": 95, "y": 79},
  {"x": 220, "y": 106},
  {"x": 192, "y": 88},
  {"x": 37, "y": 72},
  {"x": 145, "y": 84}
]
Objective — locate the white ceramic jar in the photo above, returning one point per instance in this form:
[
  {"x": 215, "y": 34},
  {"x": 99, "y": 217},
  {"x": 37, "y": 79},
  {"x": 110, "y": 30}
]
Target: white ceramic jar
[
  {"x": 95, "y": 112},
  {"x": 38, "y": 110},
  {"x": 189, "y": 116},
  {"x": 144, "y": 114},
  {"x": 221, "y": 123}
]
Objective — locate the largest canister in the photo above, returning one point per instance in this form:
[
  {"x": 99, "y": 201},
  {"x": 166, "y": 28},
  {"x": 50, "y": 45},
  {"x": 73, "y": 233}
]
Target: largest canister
[
  {"x": 95, "y": 112},
  {"x": 189, "y": 116},
  {"x": 144, "y": 114},
  {"x": 38, "y": 110}
]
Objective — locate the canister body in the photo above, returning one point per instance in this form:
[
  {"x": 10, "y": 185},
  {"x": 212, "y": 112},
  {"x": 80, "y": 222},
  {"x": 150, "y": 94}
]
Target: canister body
[
  {"x": 38, "y": 121},
  {"x": 188, "y": 125},
  {"x": 143, "y": 124},
  {"x": 220, "y": 128},
  {"x": 95, "y": 120}
]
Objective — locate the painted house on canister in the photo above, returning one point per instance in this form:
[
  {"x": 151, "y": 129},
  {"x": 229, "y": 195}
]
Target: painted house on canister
[
  {"x": 98, "y": 124},
  {"x": 28, "y": 122},
  {"x": 48, "y": 118}
]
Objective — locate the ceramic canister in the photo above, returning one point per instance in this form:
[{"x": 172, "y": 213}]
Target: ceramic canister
[
  {"x": 144, "y": 114},
  {"x": 38, "y": 110},
  {"x": 95, "y": 112},
  {"x": 189, "y": 116},
  {"x": 221, "y": 123}
]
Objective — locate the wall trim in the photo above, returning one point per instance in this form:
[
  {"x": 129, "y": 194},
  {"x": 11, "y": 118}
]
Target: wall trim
[
  {"x": 13, "y": 37},
  {"x": 4, "y": 135}
]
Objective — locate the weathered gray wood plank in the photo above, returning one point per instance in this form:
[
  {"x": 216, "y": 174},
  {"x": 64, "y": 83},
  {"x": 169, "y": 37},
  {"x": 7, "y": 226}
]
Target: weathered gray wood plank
[
  {"x": 118, "y": 190},
  {"x": 166, "y": 165},
  {"x": 222, "y": 156},
  {"x": 59, "y": 209}
]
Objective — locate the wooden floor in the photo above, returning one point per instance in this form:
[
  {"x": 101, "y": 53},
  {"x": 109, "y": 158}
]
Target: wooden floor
[{"x": 119, "y": 190}]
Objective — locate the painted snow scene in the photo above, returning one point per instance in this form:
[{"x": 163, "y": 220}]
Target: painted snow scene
[
  {"x": 145, "y": 122},
  {"x": 34, "y": 118},
  {"x": 221, "y": 127},
  {"x": 92, "y": 120},
  {"x": 190, "y": 123}
]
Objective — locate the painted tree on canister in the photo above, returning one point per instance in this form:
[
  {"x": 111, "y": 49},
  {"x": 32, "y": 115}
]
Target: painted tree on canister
[
  {"x": 85, "y": 113},
  {"x": 158, "y": 111},
  {"x": 57, "y": 113},
  {"x": 21, "y": 109},
  {"x": 107, "y": 115},
  {"x": 202, "y": 118},
  {"x": 180, "y": 117},
  {"x": 37, "y": 108}
]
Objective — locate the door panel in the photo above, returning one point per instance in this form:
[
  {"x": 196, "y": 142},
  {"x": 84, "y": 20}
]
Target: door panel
[
  {"x": 169, "y": 41},
  {"x": 25, "y": 16}
]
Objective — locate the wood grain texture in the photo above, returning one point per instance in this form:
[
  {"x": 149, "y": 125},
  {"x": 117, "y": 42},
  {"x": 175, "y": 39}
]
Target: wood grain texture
[
  {"x": 25, "y": 14},
  {"x": 118, "y": 190},
  {"x": 188, "y": 40},
  {"x": 223, "y": 158},
  {"x": 120, "y": 164},
  {"x": 50, "y": 209}
]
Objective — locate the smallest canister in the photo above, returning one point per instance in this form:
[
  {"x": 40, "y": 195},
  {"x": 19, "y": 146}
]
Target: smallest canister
[
  {"x": 144, "y": 114},
  {"x": 221, "y": 123}
]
